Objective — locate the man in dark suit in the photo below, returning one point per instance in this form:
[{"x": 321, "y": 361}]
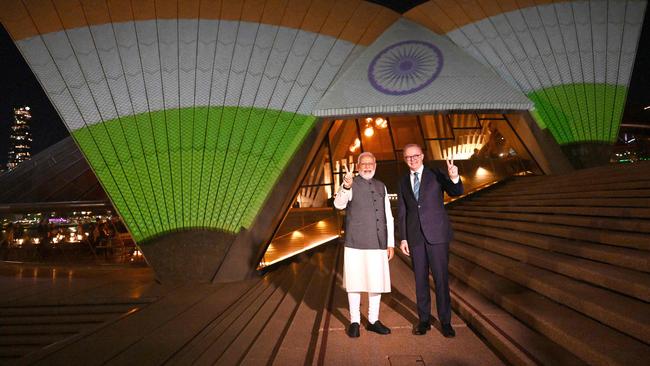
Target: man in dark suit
[{"x": 426, "y": 233}]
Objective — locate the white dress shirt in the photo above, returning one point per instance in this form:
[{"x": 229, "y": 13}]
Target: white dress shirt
[{"x": 420, "y": 170}]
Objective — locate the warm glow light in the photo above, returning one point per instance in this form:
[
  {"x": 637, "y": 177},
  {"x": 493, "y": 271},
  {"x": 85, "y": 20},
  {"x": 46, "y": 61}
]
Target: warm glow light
[
  {"x": 297, "y": 234},
  {"x": 312, "y": 245},
  {"x": 381, "y": 123},
  {"x": 482, "y": 172},
  {"x": 461, "y": 151},
  {"x": 355, "y": 146},
  {"x": 369, "y": 131}
]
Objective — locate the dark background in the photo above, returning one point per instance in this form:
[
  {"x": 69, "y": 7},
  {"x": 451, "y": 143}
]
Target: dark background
[{"x": 19, "y": 87}]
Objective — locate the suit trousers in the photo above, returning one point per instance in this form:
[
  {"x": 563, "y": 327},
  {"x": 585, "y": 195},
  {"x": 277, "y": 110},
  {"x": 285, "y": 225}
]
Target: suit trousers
[{"x": 425, "y": 256}]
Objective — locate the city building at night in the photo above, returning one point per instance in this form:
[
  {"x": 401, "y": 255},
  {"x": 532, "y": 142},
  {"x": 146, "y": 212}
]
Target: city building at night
[{"x": 20, "y": 143}]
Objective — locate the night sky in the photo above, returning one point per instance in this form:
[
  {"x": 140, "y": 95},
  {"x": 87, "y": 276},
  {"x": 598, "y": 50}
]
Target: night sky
[{"x": 19, "y": 87}]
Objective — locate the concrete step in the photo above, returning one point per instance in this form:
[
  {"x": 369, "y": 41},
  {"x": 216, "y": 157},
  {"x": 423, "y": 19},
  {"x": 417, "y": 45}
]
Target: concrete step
[
  {"x": 506, "y": 190},
  {"x": 288, "y": 338},
  {"x": 633, "y": 213},
  {"x": 11, "y": 353},
  {"x": 41, "y": 329},
  {"x": 63, "y": 309},
  {"x": 622, "y": 257},
  {"x": 619, "y": 224},
  {"x": 585, "y": 193},
  {"x": 240, "y": 309},
  {"x": 632, "y": 283},
  {"x": 588, "y": 339},
  {"x": 602, "y": 202},
  {"x": 607, "y": 174},
  {"x": 53, "y": 319},
  {"x": 568, "y": 184},
  {"x": 622, "y": 239},
  {"x": 517, "y": 343},
  {"x": 28, "y": 339},
  {"x": 623, "y": 313},
  {"x": 232, "y": 343},
  {"x": 109, "y": 339},
  {"x": 162, "y": 343},
  {"x": 266, "y": 329}
]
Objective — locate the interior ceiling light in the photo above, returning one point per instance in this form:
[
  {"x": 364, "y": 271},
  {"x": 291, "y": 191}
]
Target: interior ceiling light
[
  {"x": 369, "y": 131},
  {"x": 355, "y": 145}
]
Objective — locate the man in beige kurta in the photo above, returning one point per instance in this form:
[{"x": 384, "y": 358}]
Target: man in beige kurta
[{"x": 369, "y": 242}]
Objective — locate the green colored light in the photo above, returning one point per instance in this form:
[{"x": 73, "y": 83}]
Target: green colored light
[
  {"x": 580, "y": 112},
  {"x": 192, "y": 168}
]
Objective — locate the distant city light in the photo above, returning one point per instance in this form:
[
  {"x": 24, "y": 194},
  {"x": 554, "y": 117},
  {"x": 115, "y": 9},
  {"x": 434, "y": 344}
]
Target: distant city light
[{"x": 20, "y": 138}]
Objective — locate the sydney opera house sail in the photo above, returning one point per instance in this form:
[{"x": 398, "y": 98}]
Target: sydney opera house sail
[
  {"x": 573, "y": 59},
  {"x": 188, "y": 111}
]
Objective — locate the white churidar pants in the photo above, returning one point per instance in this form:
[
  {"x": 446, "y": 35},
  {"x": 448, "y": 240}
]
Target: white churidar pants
[{"x": 354, "y": 299}]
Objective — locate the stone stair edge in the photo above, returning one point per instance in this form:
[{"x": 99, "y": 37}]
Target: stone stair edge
[
  {"x": 630, "y": 318},
  {"x": 604, "y": 275},
  {"x": 596, "y": 342}
]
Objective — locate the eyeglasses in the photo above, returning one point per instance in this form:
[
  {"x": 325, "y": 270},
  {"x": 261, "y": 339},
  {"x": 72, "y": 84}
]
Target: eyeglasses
[
  {"x": 366, "y": 164},
  {"x": 412, "y": 157}
]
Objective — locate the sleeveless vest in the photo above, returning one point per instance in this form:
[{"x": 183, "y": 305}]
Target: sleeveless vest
[{"x": 365, "y": 220}]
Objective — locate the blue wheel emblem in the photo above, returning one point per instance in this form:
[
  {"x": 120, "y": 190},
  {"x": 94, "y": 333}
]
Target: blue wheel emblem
[{"x": 405, "y": 67}]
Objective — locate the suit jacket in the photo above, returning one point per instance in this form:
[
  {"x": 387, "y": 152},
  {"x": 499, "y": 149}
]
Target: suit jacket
[{"x": 426, "y": 218}]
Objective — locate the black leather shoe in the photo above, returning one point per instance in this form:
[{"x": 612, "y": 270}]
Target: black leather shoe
[
  {"x": 377, "y": 327},
  {"x": 353, "y": 330},
  {"x": 448, "y": 331},
  {"x": 421, "y": 328}
]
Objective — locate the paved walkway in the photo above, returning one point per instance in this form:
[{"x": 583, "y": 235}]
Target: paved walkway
[{"x": 295, "y": 314}]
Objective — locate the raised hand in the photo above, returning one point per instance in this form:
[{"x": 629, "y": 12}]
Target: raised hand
[
  {"x": 452, "y": 169},
  {"x": 347, "y": 179}
]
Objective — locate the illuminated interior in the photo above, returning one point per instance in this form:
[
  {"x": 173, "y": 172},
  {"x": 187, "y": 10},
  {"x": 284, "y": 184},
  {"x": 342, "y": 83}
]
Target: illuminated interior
[{"x": 483, "y": 146}]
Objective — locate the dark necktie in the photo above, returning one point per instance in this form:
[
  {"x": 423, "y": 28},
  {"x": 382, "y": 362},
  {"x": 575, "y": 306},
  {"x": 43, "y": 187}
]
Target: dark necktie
[{"x": 416, "y": 185}]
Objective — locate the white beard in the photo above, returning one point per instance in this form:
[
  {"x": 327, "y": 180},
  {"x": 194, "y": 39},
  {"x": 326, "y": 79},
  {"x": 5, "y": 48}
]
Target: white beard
[{"x": 367, "y": 176}]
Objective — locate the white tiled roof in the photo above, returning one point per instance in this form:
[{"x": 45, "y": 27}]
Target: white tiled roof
[{"x": 387, "y": 85}]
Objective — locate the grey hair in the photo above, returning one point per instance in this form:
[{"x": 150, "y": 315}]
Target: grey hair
[
  {"x": 412, "y": 145},
  {"x": 366, "y": 153}
]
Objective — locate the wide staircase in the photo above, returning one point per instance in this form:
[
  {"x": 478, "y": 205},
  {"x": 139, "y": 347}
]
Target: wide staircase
[
  {"x": 566, "y": 261},
  {"x": 28, "y": 328}
]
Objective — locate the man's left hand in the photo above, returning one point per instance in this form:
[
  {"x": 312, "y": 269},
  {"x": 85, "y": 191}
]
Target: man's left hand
[
  {"x": 452, "y": 170},
  {"x": 390, "y": 252}
]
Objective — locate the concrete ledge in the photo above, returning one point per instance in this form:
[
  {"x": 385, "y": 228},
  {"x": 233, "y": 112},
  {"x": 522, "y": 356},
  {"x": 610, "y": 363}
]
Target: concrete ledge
[{"x": 192, "y": 255}]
